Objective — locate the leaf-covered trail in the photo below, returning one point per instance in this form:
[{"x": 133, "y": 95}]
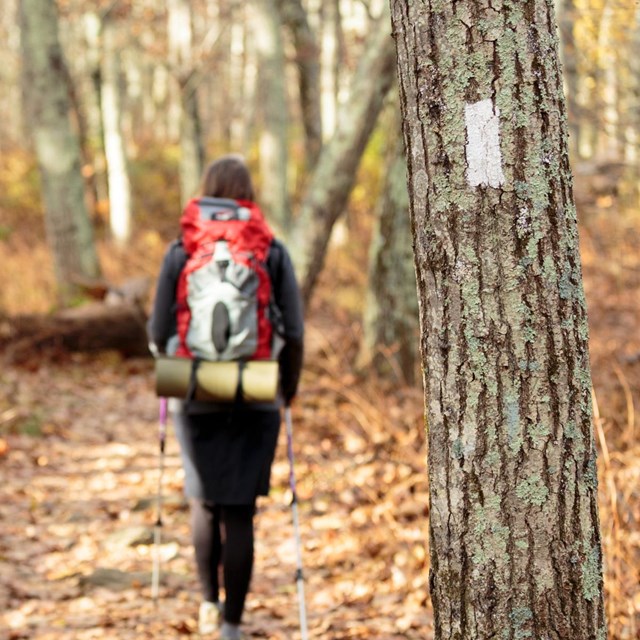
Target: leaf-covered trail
[
  {"x": 77, "y": 506},
  {"x": 79, "y": 474}
]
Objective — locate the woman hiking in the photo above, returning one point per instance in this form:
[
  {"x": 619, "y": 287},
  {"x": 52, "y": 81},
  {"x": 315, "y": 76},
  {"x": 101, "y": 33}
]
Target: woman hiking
[{"x": 227, "y": 449}]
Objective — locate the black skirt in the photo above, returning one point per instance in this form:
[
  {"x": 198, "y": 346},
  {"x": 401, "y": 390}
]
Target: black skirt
[{"x": 227, "y": 455}]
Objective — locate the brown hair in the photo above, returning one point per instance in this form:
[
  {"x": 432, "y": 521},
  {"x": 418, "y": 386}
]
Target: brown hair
[{"x": 227, "y": 177}]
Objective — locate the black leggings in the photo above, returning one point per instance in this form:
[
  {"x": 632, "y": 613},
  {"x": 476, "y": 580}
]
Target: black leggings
[{"x": 223, "y": 535}]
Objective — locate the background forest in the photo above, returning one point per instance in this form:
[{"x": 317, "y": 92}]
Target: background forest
[{"x": 305, "y": 90}]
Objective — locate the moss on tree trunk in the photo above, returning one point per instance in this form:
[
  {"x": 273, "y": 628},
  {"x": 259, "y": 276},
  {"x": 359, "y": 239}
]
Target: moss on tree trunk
[{"x": 515, "y": 542}]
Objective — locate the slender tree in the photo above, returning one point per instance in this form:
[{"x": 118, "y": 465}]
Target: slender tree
[
  {"x": 632, "y": 130},
  {"x": 114, "y": 145},
  {"x": 334, "y": 175},
  {"x": 608, "y": 81},
  {"x": 329, "y": 65},
  {"x": 12, "y": 126},
  {"x": 294, "y": 17},
  {"x": 69, "y": 230},
  {"x": 391, "y": 306},
  {"x": 515, "y": 540},
  {"x": 91, "y": 103},
  {"x": 566, "y": 21},
  {"x": 180, "y": 35},
  {"x": 272, "y": 96}
]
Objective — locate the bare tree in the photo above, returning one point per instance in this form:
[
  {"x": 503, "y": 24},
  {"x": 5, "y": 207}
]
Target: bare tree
[
  {"x": 69, "y": 230},
  {"x": 294, "y": 17},
  {"x": 391, "y": 306},
  {"x": 334, "y": 175},
  {"x": 181, "y": 58},
  {"x": 114, "y": 146},
  {"x": 566, "y": 21},
  {"x": 12, "y": 126},
  {"x": 272, "y": 96},
  {"x": 515, "y": 539}
]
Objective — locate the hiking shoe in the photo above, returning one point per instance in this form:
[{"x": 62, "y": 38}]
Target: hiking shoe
[
  {"x": 230, "y": 632},
  {"x": 210, "y": 616}
]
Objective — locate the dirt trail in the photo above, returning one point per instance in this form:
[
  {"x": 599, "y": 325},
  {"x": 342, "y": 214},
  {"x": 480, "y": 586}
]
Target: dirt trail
[
  {"x": 79, "y": 473},
  {"x": 77, "y": 488}
]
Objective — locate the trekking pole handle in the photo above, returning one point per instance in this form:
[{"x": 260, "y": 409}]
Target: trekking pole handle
[{"x": 163, "y": 412}]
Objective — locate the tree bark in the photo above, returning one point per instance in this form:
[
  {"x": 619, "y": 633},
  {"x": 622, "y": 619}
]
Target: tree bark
[
  {"x": 92, "y": 103},
  {"x": 91, "y": 328},
  {"x": 274, "y": 191},
  {"x": 391, "y": 308},
  {"x": 294, "y": 17},
  {"x": 13, "y": 126},
  {"x": 566, "y": 21},
  {"x": 632, "y": 130},
  {"x": 608, "y": 79},
  {"x": 191, "y": 144},
  {"x": 180, "y": 34},
  {"x": 329, "y": 67},
  {"x": 115, "y": 153},
  {"x": 335, "y": 173},
  {"x": 515, "y": 540},
  {"x": 69, "y": 230},
  {"x": 243, "y": 65}
]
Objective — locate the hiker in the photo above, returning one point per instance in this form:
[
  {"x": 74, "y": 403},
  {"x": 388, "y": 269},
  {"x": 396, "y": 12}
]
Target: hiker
[{"x": 227, "y": 449}]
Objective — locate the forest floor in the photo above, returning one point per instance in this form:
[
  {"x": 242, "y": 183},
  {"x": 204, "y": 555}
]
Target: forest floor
[
  {"x": 77, "y": 507},
  {"x": 79, "y": 476}
]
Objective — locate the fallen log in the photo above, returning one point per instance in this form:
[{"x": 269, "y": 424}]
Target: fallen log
[{"x": 92, "y": 327}]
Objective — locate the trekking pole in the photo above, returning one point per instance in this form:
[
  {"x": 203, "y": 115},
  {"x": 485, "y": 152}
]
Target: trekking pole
[
  {"x": 296, "y": 526},
  {"x": 157, "y": 531}
]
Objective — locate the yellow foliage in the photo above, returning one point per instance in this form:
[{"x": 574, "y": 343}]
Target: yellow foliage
[
  {"x": 19, "y": 187},
  {"x": 32, "y": 287}
]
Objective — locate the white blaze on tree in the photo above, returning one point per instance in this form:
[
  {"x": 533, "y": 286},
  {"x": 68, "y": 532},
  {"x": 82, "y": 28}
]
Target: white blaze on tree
[{"x": 484, "y": 158}]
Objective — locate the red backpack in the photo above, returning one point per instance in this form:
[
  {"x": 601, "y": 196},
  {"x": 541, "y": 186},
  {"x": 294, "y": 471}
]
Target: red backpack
[{"x": 224, "y": 289}]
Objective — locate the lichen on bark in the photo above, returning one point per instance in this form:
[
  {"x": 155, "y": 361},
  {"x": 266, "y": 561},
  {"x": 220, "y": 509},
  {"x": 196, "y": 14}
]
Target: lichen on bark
[{"x": 505, "y": 338}]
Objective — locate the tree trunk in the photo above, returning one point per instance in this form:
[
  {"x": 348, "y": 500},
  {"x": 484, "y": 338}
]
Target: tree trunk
[
  {"x": 566, "y": 20},
  {"x": 180, "y": 33},
  {"x": 117, "y": 170},
  {"x": 335, "y": 173},
  {"x": 293, "y": 15},
  {"x": 608, "y": 86},
  {"x": 191, "y": 145},
  {"x": 515, "y": 540},
  {"x": 229, "y": 70},
  {"x": 273, "y": 106},
  {"x": 91, "y": 328},
  {"x": 391, "y": 309},
  {"x": 244, "y": 82},
  {"x": 12, "y": 127},
  {"x": 329, "y": 68},
  {"x": 632, "y": 130},
  {"x": 92, "y": 103},
  {"x": 69, "y": 230}
]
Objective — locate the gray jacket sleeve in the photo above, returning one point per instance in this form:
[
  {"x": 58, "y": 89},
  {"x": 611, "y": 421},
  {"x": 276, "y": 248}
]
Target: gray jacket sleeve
[
  {"x": 289, "y": 301},
  {"x": 162, "y": 324}
]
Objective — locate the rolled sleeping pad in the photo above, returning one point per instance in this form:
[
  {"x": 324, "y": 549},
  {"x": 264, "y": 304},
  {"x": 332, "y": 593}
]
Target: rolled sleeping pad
[{"x": 217, "y": 381}]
